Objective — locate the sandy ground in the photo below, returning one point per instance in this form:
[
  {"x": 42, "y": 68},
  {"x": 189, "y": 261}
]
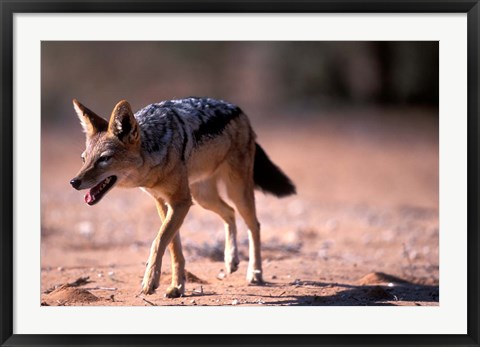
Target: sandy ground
[{"x": 362, "y": 230}]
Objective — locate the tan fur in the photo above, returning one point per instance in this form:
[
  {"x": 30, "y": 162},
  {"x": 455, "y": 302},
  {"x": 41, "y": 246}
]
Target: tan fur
[{"x": 228, "y": 158}]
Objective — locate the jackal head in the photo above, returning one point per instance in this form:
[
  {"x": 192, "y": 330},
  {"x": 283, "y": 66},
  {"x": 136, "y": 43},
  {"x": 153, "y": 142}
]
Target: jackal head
[{"x": 112, "y": 150}]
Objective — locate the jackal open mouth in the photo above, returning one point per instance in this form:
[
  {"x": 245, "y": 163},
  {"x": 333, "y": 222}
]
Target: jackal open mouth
[{"x": 96, "y": 193}]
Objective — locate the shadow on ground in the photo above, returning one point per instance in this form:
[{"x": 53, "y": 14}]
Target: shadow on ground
[{"x": 360, "y": 295}]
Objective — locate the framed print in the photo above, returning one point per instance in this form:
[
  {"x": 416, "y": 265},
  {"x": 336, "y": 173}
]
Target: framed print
[{"x": 308, "y": 173}]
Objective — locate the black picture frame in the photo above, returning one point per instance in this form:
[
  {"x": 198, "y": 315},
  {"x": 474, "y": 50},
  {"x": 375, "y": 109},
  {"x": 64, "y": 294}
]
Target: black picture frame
[{"x": 10, "y": 7}]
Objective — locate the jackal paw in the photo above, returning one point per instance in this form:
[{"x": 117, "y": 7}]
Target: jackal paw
[
  {"x": 150, "y": 282},
  {"x": 255, "y": 277},
  {"x": 175, "y": 291},
  {"x": 231, "y": 264},
  {"x": 147, "y": 289}
]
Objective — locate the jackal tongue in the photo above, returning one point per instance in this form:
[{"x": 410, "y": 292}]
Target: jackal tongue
[
  {"x": 91, "y": 194},
  {"x": 97, "y": 192},
  {"x": 88, "y": 197}
]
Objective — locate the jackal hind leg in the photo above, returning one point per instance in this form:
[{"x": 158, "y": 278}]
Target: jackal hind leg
[
  {"x": 177, "y": 288},
  {"x": 240, "y": 190},
  {"x": 207, "y": 196}
]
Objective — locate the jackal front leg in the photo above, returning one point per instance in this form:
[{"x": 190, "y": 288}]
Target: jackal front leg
[
  {"x": 177, "y": 288},
  {"x": 175, "y": 215}
]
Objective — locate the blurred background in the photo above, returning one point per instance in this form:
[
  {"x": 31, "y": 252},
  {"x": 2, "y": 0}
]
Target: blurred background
[
  {"x": 354, "y": 124},
  {"x": 265, "y": 78}
]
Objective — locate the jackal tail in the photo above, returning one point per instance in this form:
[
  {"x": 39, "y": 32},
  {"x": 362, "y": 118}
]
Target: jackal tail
[{"x": 268, "y": 177}]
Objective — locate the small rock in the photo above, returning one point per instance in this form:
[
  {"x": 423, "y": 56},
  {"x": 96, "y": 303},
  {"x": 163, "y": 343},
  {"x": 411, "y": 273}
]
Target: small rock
[
  {"x": 221, "y": 276},
  {"x": 99, "y": 275},
  {"x": 85, "y": 229},
  {"x": 111, "y": 273},
  {"x": 235, "y": 302},
  {"x": 196, "y": 290},
  {"x": 60, "y": 268},
  {"x": 274, "y": 277}
]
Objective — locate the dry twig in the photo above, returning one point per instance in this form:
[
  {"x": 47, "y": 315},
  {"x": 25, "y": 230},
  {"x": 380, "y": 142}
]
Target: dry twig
[
  {"x": 78, "y": 282},
  {"x": 149, "y": 302}
]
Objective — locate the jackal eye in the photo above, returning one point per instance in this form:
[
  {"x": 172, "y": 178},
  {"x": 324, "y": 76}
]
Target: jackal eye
[
  {"x": 83, "y": 158},
  {"x": 104, "y": 159}
]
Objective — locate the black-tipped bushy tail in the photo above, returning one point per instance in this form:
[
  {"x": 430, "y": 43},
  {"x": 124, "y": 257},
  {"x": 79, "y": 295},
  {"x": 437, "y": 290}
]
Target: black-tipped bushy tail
[{"x": 268, "y": 176}]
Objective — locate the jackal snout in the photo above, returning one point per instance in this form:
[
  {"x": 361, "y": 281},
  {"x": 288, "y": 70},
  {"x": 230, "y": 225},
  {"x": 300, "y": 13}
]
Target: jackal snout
[{"x": 76, "y": 182}]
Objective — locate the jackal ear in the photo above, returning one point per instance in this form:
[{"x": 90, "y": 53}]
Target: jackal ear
[
  {"x": 123, "y": 124},
  {"x": 91, "y": 123}
]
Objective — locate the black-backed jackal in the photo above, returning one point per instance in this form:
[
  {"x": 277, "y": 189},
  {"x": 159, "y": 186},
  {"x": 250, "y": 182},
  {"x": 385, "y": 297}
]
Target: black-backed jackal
[{"x": 175, "y": 151}]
